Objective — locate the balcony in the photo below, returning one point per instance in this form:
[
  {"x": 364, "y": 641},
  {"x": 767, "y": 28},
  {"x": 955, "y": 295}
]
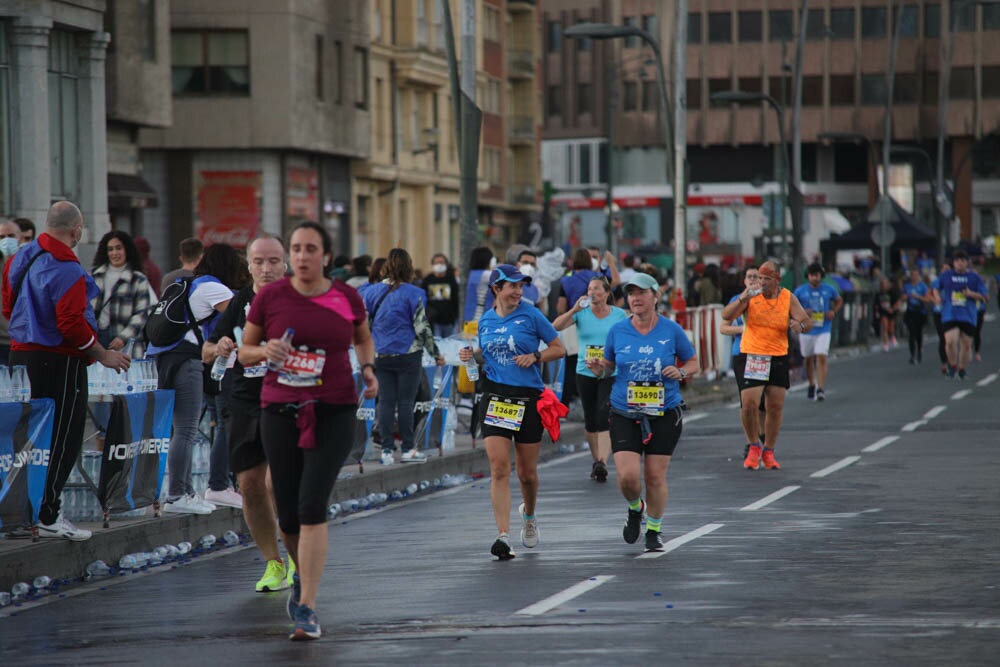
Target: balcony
[
  {"x": 523, "y": 193},
  {"x": 520, "y": 63},
  {"x": 520, "y": 6},
  {"x": 521, "y": 130}
]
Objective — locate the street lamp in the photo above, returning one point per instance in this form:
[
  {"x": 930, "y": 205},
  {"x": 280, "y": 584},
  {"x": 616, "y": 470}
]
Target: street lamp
[
  {"x": 675, "y": 169},
  {"x": 741, "y": 97}
]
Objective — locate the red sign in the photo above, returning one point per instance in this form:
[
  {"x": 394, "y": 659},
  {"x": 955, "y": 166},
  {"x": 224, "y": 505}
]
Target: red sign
[
  {"x": 229, "y": 208},
  {"x": 812, "y": 199},
  {"x": 302, "y": 193}
]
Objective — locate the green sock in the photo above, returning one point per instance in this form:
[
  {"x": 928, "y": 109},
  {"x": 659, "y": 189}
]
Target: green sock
[
  {"x": 653, "y": 524},
  {"x": 635, "y": 505}
]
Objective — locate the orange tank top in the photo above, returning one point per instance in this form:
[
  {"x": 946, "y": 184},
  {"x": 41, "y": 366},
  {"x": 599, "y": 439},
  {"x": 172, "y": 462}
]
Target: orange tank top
[{"x": 766, "y": 330}]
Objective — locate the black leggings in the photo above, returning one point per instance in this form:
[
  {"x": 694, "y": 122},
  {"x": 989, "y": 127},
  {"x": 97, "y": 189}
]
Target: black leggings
[
  {"x": 595, "y": 396},
  {"x": 977, "y": 340},
  {"x": 915, "y": 320},
  {"x": 303, "y": 478},
  {"x": 942, "y": 354}
]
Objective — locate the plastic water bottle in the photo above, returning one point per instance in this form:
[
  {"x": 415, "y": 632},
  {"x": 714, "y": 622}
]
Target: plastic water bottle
[
  {"x": 20, "y": 384},
  {"x": 411, "y": 489},
  {"x": 207, "y": 541},
  {"x": 128, "y": 562},
  {"x": 154, "y": 557},
  {"x": 172, "y": 552},
  {"x": 42, "y": 582},
  {"x": 585, "y": 302},
  {"x": 285, "y": 338},
  {"x": 184, "y": 548},
  {"x": 5, "y": 598},
  {"x": 98, "y": 570},
  {"x": 472, "y": 368},
  {"x": 5, "y": 386},
  {"x": 161, "y": 553},
  {"x": 450, "y": 424},
  {"x": 334, "y": 511},
  {"x": 424, "y": 485},
  {"x": 230, "y": 538},
  {"x": 19, "y": 591},
  {"x": 221, "y": 364}
]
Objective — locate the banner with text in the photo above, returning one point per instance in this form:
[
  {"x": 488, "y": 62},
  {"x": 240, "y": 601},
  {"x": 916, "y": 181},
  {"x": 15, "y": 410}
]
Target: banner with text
[{"x": 25, "y": 438}]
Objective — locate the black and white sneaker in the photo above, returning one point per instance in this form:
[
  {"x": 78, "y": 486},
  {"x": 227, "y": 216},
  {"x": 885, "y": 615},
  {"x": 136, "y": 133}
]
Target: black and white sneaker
[
  {"x": 811, "y": 393},
  {"x": 632, "y": 524},
  {"x": 501, "y": 548},
  {"x": 654, "y": 541},
  {"x": 599, "y": 472},
  {"x": 820, "y": 395}
]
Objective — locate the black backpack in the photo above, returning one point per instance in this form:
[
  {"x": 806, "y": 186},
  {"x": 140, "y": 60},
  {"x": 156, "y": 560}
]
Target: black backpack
[{"x": 171, "y": 317}]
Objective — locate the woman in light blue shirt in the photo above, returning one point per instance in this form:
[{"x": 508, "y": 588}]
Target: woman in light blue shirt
[{"x": 594, "y": 316}]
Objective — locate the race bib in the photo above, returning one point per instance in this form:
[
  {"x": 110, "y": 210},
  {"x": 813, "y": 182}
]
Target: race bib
[
  {"x": 958, "y": 299},
  {"x": 645, "y": 397},
  {"x": 504, "y": 413},
  {"x": 594, "y": 352},
  {"x": 819, "y": 317},
  {"x": 758, "y": 367},
  {"x": 303, "y": 368},
  {"x": 255, "y": 371}
]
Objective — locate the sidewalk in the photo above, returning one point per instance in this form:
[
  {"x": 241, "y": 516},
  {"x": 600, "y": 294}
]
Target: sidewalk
[{"x": 23, "y": 560}]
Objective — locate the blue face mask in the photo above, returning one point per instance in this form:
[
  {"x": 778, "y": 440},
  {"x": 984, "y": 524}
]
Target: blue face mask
[{"x": 8, "y": 246}]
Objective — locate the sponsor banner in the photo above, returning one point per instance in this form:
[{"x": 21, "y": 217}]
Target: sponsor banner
[
  {"x": 25, "y": 439},
  {"x": 135, "y": 450}
]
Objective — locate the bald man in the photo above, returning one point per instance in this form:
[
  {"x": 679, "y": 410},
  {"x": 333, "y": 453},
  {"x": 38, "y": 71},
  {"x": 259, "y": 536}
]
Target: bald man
[{"x": 46, "y": 297}]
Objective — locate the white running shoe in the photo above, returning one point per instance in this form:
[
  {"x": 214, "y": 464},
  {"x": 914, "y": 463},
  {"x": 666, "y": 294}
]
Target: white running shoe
[
  {"x": 387, "y": 459},
  {"x": 226, "y": 498},
  {"x": 413, "y": 456},
  {"x": 189, "y": 504},
  {"x": 62, "y": 527},
  {"x": 529, "y": 529}
]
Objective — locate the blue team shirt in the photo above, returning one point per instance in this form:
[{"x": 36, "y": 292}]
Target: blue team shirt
[
  {"x": 936, "y": 285},
  {"x": 642, "y": 358},
  {"x": 503, "y": 338},
  {"x": 818, "y": 300},
  {"x": 593, "y": 331},
  {"x": 912, "y": 292},
  {"x": 955, "y": 306},
  {"x": 738, "y": 322}
]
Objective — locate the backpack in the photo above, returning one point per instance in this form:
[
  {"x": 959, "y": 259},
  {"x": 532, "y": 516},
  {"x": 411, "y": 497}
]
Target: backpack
[{"x": 171, "y": 318}]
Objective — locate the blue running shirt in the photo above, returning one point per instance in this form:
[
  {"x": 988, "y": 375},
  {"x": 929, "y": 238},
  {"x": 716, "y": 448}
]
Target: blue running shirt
[
  {"x": 818, "y": 300},
  {"x": 642, "y": 358},
  {"x": 503, "y": 338},
  {"x": 737, "y": 322},
  {"x": 592, "y": 332},
  {"x": 955, "y": 306},
  {"x": 912, "y": 293}
]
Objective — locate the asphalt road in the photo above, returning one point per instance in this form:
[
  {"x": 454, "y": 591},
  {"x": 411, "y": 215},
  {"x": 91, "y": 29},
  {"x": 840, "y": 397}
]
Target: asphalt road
[{"x": 877, "y": 543}]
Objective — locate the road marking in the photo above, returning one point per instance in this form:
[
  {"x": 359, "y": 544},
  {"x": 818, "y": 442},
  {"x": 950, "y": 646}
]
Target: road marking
[
  {"x": 734, "y": 404},
  {"x": 798, "y": 387},
  {"x": 959, "y": 395},
  {"x": 987, "y": 380},
  {"x": 842, "y": 463},
  {"x": 879, "y": 444},
  {"x": 767, "y": 500},
  {"x": 935, "y": 411},
  {"x": 694, "y": 416},
  {"x": 913, "y": 426},
  {"x": 565, "y": 596},
  {"x": 678, "y": 542}
]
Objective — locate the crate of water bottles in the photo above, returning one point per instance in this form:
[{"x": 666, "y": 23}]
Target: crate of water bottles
[
  {"x": 15, "y": 387},
  {"x": 79, "y": 499},
  {"x": 103, "y": 382}
]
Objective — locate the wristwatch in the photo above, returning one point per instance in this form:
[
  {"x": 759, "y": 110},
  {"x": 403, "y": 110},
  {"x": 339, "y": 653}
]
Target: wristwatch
[
  {"x": 538, "y": 356},
  {"x": 683, "y": 374}
]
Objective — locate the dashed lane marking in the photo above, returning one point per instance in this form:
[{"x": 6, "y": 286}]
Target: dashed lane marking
[
  {"x": 678, "y": 542},
  {"x": 987, "y": 380},
  {"x": 842, "y": 463},
  {"x": 913, "y": 426},
  {"x": 767, "y": 500},
  {"x": 935, "y": 411},
  {"x": 694, "y": 416},
  {"x": 565, "y": 596},
  {"x": 959, "y": 395},
  {"x": 879, "y": 444}
]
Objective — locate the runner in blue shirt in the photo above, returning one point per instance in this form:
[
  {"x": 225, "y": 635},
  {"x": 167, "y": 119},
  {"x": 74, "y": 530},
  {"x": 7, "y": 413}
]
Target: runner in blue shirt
[
  {"x": 509, "y": 337},
  {"x": 594, "y": 316},
  {"x": 936, "y": 315},
  {"x": 917, "y": 295},
  {"x": 959, "y": 290},
  {"x": 821, "y": 301},
  {"x": 646, "y": 414},
  {"x": 734, "y": 328}
]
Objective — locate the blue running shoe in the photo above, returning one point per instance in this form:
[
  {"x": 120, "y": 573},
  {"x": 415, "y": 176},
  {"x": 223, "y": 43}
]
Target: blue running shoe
[
  {"x": 294, "y": 596},
  {"x": 306, "y": 624}
]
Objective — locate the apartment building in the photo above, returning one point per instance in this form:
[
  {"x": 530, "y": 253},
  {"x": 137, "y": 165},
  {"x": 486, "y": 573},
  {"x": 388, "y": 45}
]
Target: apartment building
[{"x": 408, "y": 191}]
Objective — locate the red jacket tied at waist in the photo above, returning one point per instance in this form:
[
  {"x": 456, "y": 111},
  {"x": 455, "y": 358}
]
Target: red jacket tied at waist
[{"x": 550, "y": 409}]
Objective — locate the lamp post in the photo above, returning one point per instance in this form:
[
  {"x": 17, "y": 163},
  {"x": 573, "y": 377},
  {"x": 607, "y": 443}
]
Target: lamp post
[
  {"x": 741, "y": 97},
  {"x": 678, "y": 150}
]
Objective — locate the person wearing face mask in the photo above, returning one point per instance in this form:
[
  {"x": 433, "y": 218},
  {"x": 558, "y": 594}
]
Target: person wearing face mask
[
  {"x": 9, "y": 233},
  {"x": 442, "y": 296},
  {"x": 528, "y": 266}
]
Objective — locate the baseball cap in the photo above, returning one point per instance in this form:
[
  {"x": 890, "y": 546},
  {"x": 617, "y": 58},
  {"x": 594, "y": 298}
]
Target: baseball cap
[
  {"x": 509, "y": 273},
  {"x": 642, "y": 281}
]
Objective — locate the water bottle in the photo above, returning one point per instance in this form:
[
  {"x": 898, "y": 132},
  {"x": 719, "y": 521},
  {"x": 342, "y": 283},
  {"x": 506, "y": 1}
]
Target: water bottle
[
  {"x": 42, "y": 582},
  {"x": 184, "y": 548},
  {"x": 450, "y": 424},
  {"x": 21, "y": 385},
  {"x": 286, "y": 337},
  {"x": 221, "y": 364},
  {"x": 585, "y": 302},
  {"x": 128, "y": 562},
  {"x": 127, "y": 350},
  {"x": 5, "y": 388},
  {"x": 19, "y": 591},
  {"x": 396, "y": 495},
  {"x": 230, "y": 538},
  {"x": 207, "y": 541},
  {"x": 472, "y": 368},
  {"x": 411, "y": 490},
  {"x": 424, "y": 485},
  {"x": 334, "y": 511},
  {"x": 754, "y": 292},
  {"x": 161, "y": 553},
  {"x": 172, "y": 552},
  {"x": 98, "y": 570},
  {"x": 153, "y": 558},
  {"x": 5, "y": 598}
]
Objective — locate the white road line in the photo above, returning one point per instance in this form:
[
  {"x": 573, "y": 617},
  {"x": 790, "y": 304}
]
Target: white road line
[
  {"x": 677, "y": 542},
  {"x": 935, "y": 411},
  {"x": 913, "y": 426},
  {"x": 734, "y": 404},
  {"x": 694, "y": 416},
  {"x": 987, "y": 380},
  {"x": 842, "y": 463},
  {"x": 879, "y": 444},
  {"x": 959, "y": 395},
  {"x": 767, "y": 500},
  {"x": 565, "y": 596},
  {"x": 798, "y": 387}
]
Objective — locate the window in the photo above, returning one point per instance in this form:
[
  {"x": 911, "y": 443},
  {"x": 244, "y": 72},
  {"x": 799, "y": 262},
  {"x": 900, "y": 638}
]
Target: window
[
  {"x": 991, "y": 82},
  {"x": 908, "y": 20},
  {"x": 931, "y": 83},
  {"x": 720, "y": 27},
  {"x": 778, "y": 88},
  {"x": 904, "y": 89},
  {"x": 842, "y": 23},
  {"x": 553, "y": 101},
  {"x": 584, "y": 98},
  {"x": 694, "y": 28},
  {"x": 650, "y": 95},
  {"x": 932, "y": 20},
  {"x": 583, "y": 153},
  {"x": 338, "y": 72},
  {"x": 63, "y": 113},
  {"x": 360, "y": 77},
  {"x": 631, "y": 96},
  {"x": 554, "y": 32},
  {"x": 719, "y": 85},
  {"x": 750, "y": 26},
  {"x": 381, "y": 114},
  {"x": 962, "y": 85},
  {"x": 991, "y": 17},
  {"x": 631, "y": 42},
  {"x": 873, "y": 89},
  {"x": 491, "y": 23},
  {"x": 422, "y": 23},
  {"x": 693, "y": 93},
  {"x": 751, "y": 84},
  {"x": 841, "y": 90},
  {"x": 780, "y": 26},
  {"x": 602, "y": 162},
  {"x": 962, "y": 16},
  {"x": 210, "y": 62},
  {"x": 147, "y": 28},
  {"x": 873, "y": 22},
  {"x": 319, "y": 67},
  {"x": 816, "y": 28},
  {"x": 812, "y": 91},
  {"x": 649, "y": 24}
]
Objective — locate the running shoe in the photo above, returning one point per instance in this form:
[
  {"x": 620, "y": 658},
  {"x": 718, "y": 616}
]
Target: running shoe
[
  {"x": 62, "y": 527},
  {"x": 961, "y": 373},
  {"x": 189, "y": 504},
  {"x": 387, "y": 459},
  {"x": 294, "y": 596},
  {"x": 820, "y": 394},
  {"x": 599, "y": 472},
  {"x": 894, "y": 342},
  {"x": 501, "y": 548},
  {"x": 811, "y": 392},
  {"x": 306, "y": 624},
  {"x": 632, "y": 524},
  {"x": 413, "y": 456},
  {"x": 770, "y": 462},
  {"x": 753, "y": 458},
  {"x": 227, "y": 498},
  {"x": 951, "y": 372},
  {"x": 529, "y": 529},
  {"x": 654, "y": 541},
  {"x": 274, "y": 579},
  {"x": 291, "y": 570}
]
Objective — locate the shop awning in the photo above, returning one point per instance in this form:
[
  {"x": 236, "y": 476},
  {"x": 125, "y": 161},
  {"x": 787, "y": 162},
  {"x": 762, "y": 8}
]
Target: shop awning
[{"x": 129, "y": 191}]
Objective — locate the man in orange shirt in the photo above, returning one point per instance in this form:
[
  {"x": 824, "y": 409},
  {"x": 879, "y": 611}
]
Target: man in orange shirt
[{"x": 768, "y": 313}]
